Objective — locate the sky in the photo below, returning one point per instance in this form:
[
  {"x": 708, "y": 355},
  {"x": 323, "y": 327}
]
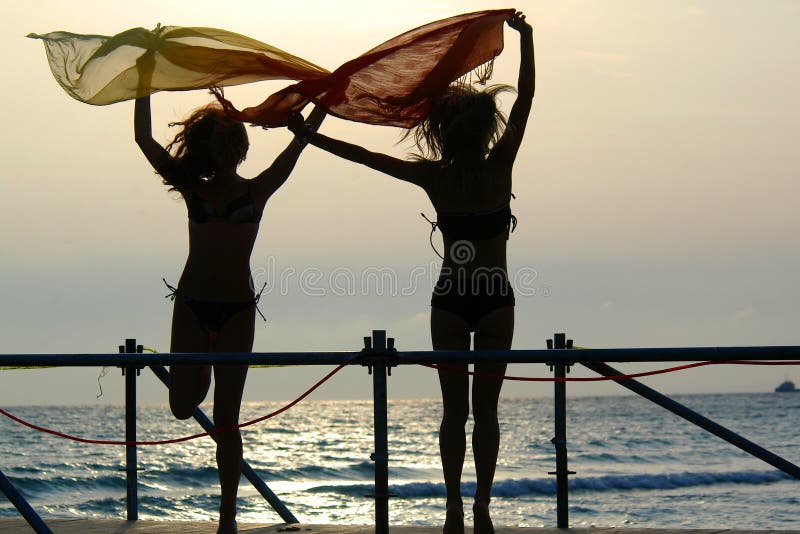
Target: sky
[{"x": 656, "y": 196}]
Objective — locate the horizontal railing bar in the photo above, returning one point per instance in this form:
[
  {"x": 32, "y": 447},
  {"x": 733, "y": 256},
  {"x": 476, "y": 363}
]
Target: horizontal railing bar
[
  {"x": 668, "y": 354},
  {"x": 177, "y": 358},
  {"x": 672, "y": 354}
]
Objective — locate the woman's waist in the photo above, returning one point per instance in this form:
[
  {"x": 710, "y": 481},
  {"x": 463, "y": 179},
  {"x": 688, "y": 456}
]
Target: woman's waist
[
  {"x": 480, "y": 283},
  {"x": 479, "y": 275},
  {"x": 481, "y": 253},
  {"x": 216, "y": 284},
  {"x": 231, "y": 263},
  {"x": 464, "y": 261},
  {"x": 209, "y": 245},
  {"x": 462, "y": 273}
]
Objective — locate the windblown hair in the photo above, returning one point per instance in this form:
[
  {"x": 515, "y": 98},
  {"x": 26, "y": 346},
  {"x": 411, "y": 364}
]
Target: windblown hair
[
  {"x": 207, "y": 137},
  {"x": 463, "y": 124}
]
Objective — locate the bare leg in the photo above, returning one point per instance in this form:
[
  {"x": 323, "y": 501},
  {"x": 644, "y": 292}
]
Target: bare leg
[
  {"x": 495, "y": 331},
  {"x": 188, "y": 384},
  {"x": 229, "y": 385},
  {"x": 237, "y": 336},
  {"x": 449, "y": 331}
]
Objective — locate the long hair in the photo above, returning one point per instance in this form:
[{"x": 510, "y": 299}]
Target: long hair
[
  {"x": 462, "y": 125},
  {"x": 206, "y": 139}
]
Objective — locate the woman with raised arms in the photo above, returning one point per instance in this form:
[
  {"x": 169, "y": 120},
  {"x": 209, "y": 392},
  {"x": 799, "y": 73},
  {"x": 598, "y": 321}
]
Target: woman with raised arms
[
  {"x": 214, "y": 302},
  {"x": 465, "y": 169}
]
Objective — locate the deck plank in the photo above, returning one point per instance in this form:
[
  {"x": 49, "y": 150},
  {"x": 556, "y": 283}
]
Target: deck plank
[{"x": 14, "y": 525}]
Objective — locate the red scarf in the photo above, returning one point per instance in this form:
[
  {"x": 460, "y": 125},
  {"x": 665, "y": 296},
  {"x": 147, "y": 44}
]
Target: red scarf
[{"x": 395, "y": 83}]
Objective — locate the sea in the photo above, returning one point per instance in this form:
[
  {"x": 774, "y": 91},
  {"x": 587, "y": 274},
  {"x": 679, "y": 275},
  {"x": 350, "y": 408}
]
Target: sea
[{"x": 636, "y": 465}]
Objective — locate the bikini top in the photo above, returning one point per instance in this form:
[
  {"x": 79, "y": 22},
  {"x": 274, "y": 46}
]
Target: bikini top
[
  {"x": 240, "y": 210},
  {"x": 476, "y": 226}
]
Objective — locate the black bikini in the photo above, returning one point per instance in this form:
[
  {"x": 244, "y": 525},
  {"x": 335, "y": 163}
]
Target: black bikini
[
  {"x": 211, "y": 314},
  {"x": 241, "y": 210},
  {"x": 485, "y": 290},
  {"x": 477, "y": 226}
]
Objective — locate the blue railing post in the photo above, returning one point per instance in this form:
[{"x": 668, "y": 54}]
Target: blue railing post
[
  {"x": 131, "y": 467},
  {"x": 559, "y": 441},
  {"x": 380, "y": 369}
]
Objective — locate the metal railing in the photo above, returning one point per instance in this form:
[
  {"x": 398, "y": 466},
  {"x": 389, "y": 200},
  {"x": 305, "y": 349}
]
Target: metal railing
[{"x": 379, "y": 356}]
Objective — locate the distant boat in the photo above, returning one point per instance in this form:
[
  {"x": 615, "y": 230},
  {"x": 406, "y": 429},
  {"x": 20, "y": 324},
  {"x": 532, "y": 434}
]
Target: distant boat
[{"x": 786, "y": 387}]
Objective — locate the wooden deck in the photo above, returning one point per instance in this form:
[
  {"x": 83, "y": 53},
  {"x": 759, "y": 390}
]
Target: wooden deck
[{"x": 115, "y": 526}]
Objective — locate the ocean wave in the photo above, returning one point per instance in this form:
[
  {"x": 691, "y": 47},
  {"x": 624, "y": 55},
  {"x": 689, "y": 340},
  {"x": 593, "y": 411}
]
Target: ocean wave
[
  {"x": 150, "y": 506},
  {"x": 547, "y": 486},
  {"x": 675, "y": 480},
  {"x": 182, "y": 475},
  {"x": 357, "y": 471},
  {"x": 52, "y": 484},
  {"x": 39, "y": 482}
]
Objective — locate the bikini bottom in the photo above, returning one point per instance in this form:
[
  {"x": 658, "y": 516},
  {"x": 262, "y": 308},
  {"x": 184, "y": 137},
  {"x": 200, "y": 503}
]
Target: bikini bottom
[
  {"x": 472, "y": 298},
  {"x": 213, "y": 314}
]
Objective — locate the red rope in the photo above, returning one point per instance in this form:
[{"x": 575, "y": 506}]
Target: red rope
[
  {"x": 174, "y": 440},
  {"x": 434, "y": 366},
  {"x": 461, "y": 371}
]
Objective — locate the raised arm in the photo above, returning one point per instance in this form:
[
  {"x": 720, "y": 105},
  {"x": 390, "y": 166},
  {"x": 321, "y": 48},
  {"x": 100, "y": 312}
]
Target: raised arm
[
  {"x": 272, "y": 178},
  {"x": 518, "y": 117},
  {"x": 407, "y": 171},
  {"x": 156, "y": 154}
]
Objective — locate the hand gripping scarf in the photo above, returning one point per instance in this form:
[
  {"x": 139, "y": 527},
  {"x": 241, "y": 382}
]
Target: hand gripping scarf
[
  {"x": 100, "y": 70},
  {"x": 395, "y": 83}
]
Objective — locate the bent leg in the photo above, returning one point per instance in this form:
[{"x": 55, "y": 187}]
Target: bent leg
[
  {"x": 188, "y": 384},
  {"x": 449, "y": 331},
  {"x": 495, "y": 331}
]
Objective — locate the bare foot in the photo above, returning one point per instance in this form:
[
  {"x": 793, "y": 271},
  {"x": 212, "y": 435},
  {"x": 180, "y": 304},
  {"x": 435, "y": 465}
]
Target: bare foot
[
  {"x": 454, "y": 521},
  {"x": 480, "y": 515}
]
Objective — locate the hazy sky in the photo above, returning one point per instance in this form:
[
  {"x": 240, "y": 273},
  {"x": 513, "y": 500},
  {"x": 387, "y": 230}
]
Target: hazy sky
[{"x": 657, "y": 192}]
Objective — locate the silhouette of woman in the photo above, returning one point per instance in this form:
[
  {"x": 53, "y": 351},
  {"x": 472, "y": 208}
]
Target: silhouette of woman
[
  {"x": 465, "y": 169},
  {"x": 215, "y": 302}
]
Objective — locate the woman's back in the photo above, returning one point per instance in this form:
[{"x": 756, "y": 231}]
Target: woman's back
[{"x": 473, "y": 213}]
